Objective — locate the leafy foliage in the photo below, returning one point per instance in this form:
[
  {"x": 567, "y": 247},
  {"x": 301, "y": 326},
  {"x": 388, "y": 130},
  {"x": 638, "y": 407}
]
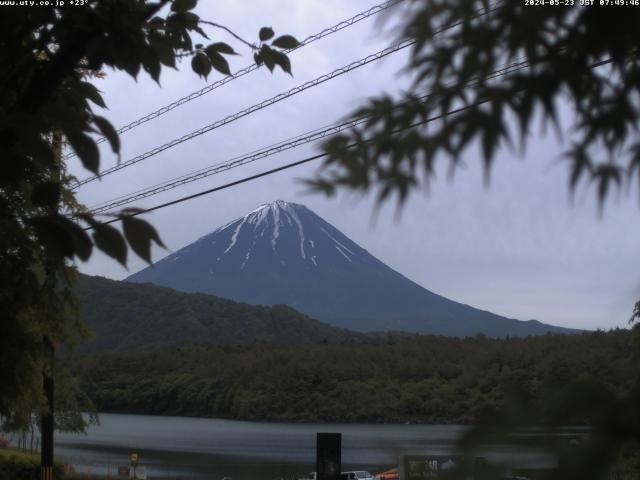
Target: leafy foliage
[
  {"x": 586, "y": 55},
  {"x": 73, "y": 413},
  {"x": 504, "y": 387},
  {"x": 636, "y": 313},
  {"x": 47, "y": 99},
  {"x": 271, "y": 56},
  {"x": 610, "y": 450},
  {"x": 420, "y": 379},
  {"x": 482, "y": 73},
  {"x": 14, "y": 465}
]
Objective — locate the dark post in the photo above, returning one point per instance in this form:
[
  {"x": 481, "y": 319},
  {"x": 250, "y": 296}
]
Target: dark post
[
  {"x": 46, "y": 453},
  {"x": 328, "y": 456}
]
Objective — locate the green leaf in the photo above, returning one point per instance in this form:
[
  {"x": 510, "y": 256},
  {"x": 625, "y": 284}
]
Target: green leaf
[
  {"x": 82, "y": 244},
  {"x": 46, "y": 194},
  {"x": 198, "y": 29},
  {"x": 201, "y": 64},
  {"x": 52, "y": 237},
  {"x": 90, "y": 92},
  {"x": 222, "y": 47},
  {"x": 130, "y": 65},
  {"x": 191, "y": 20},
  {"x": 266, "y": 33},
  {"x": 267, "y": 57},
  {"x": 164, "y": 49},
  {"x": 85, "y": 148},
  {"x": 110, "y": 241},
  {"x": 176, "y": 22},
  {"x": 605, "y": 174},
  {"x": 151, "y": 63},
  {"x": 580, "y": 164},
  {"x": 183, "y": 5},
  {"x": 258, "y": 59},
  {"x": 139, "y": 235},
  {"x": 218, "y": 62},
  {"x": 281, "y": 59},
  {"x": 285, "y": 42},
  {"x": 132, "y": 211},
  {"x": 108, "y": 132},
  {"x": 156, "y": 23},
  {"x": 63, "y": 236}
]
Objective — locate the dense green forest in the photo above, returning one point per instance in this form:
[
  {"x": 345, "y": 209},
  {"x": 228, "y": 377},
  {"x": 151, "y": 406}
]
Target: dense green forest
[
  {"x": 418, "y": 379},
  {"x": 127, "y": 316}
]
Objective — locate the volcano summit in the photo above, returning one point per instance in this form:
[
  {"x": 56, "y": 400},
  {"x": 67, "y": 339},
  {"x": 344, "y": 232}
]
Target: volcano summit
[{"x": 283, "y": 253}]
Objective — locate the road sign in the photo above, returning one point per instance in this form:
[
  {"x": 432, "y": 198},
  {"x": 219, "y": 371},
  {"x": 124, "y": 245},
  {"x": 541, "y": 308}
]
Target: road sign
[{"x": 134, "y": 458}]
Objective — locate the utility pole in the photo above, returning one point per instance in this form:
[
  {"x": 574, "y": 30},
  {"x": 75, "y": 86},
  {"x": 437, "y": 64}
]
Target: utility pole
[
  {"x": 47, "y": 426},
  {"x": 46, "y": 453}
]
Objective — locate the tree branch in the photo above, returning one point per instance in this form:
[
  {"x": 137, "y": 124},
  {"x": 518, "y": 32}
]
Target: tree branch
[{"x": 228, "y": 30}]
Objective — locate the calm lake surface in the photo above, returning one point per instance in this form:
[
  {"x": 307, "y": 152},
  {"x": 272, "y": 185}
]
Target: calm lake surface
[{"x": 202, "y": 448}]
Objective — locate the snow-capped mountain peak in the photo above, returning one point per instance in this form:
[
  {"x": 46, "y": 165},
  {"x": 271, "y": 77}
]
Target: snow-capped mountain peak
[{"x": 293, "y": 232}]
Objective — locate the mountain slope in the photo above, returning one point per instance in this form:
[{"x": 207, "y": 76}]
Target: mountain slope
[
  {"x": 126, "y": 316},
  {"x": 283, "y": 253}
]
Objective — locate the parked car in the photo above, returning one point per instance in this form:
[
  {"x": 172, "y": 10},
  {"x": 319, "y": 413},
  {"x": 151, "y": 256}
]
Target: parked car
[{"x": 356, "y": 475}]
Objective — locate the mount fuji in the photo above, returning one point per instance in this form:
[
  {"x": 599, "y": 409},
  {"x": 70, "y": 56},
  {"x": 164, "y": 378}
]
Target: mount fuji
[{"x": 283, "y": 253}]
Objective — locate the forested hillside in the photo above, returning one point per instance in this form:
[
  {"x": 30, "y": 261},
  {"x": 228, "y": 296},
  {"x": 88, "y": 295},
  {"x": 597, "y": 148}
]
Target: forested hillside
[
  {"x": 422, "y": 379},
  {"x": 129, "y": 316}
]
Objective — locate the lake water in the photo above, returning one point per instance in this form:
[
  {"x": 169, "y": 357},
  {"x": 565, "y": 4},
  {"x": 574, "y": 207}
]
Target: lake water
[{"x": 201, "y": 448}]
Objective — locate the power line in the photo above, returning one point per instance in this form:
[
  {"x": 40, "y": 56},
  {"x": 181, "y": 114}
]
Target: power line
[
  {"x": 284, "y": 167},
  {"x": 227, "y": 165},
  {"x": 252, "y": 109},
  {"x": 273, "y": 149},
  {"x": 248, "y": 69},
  {"x": 309, "y": 159},
  {"x": 265, "y": 103},
  {"x": 312, "y": 158}
]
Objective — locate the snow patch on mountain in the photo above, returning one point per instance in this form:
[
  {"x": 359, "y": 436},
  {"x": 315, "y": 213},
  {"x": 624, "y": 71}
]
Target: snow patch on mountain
[
  {"x": 258, "y": 216},
  {"x": 342, "y": 252},
  {"x": 276, "y": 227},
  {"x": 234, "y": 237},
  {"x": 336, "y": 241},
  {"x": 290, "y": 211}
]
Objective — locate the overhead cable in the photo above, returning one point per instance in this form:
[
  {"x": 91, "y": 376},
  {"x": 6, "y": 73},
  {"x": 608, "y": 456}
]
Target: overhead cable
[
  {"x": 273, "y": 149},
  {"x": 265, "y": 103},
  {"x": 248, "y": 69},
  {"x": 278, "y": 169},
  {"x": 305, "y": 160},
  {"x": 247, "y": 111}
]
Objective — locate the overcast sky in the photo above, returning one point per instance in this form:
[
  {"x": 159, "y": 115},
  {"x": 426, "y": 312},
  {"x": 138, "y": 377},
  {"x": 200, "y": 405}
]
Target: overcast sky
[{"x": 519, "y": 248}]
